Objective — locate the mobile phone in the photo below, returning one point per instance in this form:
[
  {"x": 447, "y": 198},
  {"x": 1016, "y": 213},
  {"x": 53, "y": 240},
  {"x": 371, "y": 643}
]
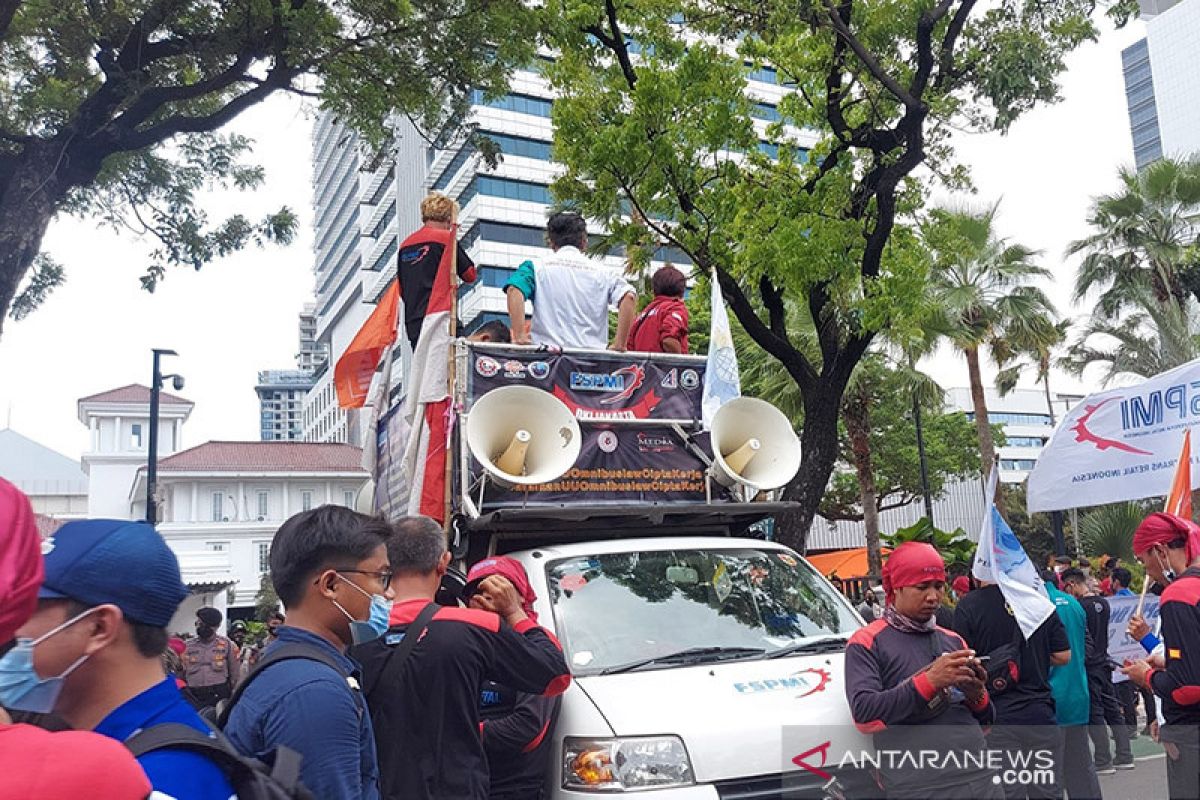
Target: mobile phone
[{"x": 983, "y": 659}]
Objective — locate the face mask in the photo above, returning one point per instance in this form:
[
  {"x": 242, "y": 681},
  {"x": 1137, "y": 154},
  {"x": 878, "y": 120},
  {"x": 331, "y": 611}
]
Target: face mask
[
  {"x": 376, "y": 623},
  {"x": 1168, "y": 573},
  {"x": 21, "y": 689}
]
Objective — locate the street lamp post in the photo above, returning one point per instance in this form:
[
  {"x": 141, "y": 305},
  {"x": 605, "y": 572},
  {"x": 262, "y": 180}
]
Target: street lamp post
[{"x": 152, "y": 445}]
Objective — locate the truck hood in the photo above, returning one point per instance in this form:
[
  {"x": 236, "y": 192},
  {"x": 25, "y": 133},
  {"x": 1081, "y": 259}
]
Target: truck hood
[{"x": 737, "y": 718}]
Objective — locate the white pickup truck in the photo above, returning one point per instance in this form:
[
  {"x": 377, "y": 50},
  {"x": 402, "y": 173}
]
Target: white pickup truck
[{"x": 700, "y": 664}]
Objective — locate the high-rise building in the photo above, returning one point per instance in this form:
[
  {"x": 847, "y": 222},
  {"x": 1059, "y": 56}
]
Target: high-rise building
[
  {"x": 1025, "y": 419},
  {"x": 281, "y": 394},
  {"x": 1162, "y": 84},
  {"x": 312, "y": 355},
  {"x": 359, "y": 225}
]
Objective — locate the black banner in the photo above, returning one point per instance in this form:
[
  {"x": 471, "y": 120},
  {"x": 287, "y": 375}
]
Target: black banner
[
  {"x": 601, "y": 386},
  {"x": 644, "y": 463}
]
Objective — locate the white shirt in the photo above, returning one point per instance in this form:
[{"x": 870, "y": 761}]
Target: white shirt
[{"x": 571, "y": 296}]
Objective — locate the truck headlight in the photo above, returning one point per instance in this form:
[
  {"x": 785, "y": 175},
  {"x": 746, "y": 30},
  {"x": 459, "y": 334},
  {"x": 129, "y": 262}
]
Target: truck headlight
[{"x": 625, "y": 763}]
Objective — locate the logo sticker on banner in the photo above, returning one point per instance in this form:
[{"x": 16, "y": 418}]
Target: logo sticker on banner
[{"x": 1118, "y": 445}]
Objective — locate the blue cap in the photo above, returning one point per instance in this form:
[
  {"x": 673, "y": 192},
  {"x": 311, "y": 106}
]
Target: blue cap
[{"x": 97, "y": 561}]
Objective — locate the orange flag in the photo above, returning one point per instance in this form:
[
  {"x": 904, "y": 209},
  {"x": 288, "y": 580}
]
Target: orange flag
[
  {"x": 352, "y": 375},
  {"x": 1179, "y": 501}
]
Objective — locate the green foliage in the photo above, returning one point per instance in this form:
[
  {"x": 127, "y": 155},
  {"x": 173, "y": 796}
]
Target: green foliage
[
  {"x": 114, "y": 110},
  {"x": 955, "y": 546},
  {"x": 45, "y": 275},
  {"x": 659, "y": 138},
  {"x": 1108, "y": 530},
  {"x": 266, "y": 602}
]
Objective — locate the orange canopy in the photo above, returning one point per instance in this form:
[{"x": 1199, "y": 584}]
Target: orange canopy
[{"x": 846, "y": 563}]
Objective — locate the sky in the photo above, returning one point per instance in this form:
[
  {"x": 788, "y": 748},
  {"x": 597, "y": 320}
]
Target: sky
[{"x": 239, "y": 315}]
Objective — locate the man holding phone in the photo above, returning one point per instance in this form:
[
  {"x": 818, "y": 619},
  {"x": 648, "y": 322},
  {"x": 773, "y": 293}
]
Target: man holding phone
[{"x": 908, "y": 681}]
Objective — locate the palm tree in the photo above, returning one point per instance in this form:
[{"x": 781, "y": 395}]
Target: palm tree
[
  {"x": 982, "y": 283},
  {"x": 1153, "y": 339},
  {"x": 1109, "y": 529},
  {"x": 1038, "y": 355},
  {"x": 1141, "y": 238}
]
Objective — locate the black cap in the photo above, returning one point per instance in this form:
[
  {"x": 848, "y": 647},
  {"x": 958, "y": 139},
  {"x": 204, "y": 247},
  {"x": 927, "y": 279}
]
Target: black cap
[{"x": 209, "y": 616}]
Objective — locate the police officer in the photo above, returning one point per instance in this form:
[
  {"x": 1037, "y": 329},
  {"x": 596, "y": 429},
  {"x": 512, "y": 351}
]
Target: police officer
[{"x": 211, "y": 663}]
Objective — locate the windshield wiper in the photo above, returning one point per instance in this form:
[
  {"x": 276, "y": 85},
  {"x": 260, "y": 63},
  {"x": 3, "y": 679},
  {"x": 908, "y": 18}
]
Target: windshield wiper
[
  {"x": 693, "y": 655},
  {"x": 832, "y": 644}
]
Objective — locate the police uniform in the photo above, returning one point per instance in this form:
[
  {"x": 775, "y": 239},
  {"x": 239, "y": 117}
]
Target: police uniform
[{"x": 211, "y": 670}]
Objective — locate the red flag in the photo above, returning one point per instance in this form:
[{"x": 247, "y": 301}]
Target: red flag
[
  {"x": 1179, "y": 501},
  {"x": 352, "y": 375}
]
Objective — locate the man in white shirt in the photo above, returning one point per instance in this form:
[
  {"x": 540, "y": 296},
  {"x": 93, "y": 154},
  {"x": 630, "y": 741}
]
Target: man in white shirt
[{"x": 571, "y": 294}]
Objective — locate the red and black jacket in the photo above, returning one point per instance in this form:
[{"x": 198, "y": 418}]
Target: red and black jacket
[
  {"x": 891, "y": 697},
  {"x": 423, "y": 270},
  {"x": 516, "y": 732},
  {"x": 425, "y": 710},
  {"x": 1178, "y": 684}
]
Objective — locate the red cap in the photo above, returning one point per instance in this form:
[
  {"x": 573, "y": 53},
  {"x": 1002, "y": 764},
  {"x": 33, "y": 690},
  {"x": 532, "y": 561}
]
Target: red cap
[
  {"x": 509, "y": 568},
  {"x": 67, "y": 765},
  {"x": 909, "y": 564},
  {"x": 962, "y": 585},
  {"x": 179, "y": 646},
  {"x": 1163, "y": 528},
  {"x": 20, "y": 560}
]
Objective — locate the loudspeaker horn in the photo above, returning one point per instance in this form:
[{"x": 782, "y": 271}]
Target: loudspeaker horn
[
  {"x": 522, "y": 436},
  {"x": 753, "y": 445},
  {"x": 364, "y": 501}
]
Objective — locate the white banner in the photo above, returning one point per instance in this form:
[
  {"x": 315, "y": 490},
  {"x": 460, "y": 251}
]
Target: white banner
[
  {"x": 1118, "y": 445},
  {"x": 1001, "y": 559},
  {"x": 1121, "y": 647}
]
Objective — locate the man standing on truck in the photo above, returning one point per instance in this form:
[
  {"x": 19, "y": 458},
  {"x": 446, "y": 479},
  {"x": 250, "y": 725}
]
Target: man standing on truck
[
  {"x": 516, "y": 727},
  {"x": 422, "y": 677},
  {"x": 571, "y": 293},
  {"x": 908, "y": 681}
]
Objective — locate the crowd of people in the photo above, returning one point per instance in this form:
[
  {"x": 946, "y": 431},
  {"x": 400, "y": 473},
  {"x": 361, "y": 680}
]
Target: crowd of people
[
  {"x": 367, "y": 689},
  {"x": 1048, "y": 693}
]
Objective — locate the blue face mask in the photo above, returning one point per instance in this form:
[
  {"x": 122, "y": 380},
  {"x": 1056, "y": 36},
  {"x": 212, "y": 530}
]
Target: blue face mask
[
  {"x": 375, "y": 625},
  {"x": 21, "y": 689}
]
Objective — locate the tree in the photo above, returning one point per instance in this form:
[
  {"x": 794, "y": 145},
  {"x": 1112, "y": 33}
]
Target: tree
[
  {"x": 1156, "y": 338},
  {"x": 1036, "y": 353},
  {"x": 266, "y": 602},
  {"x": 1108, "y": 530},
  {"x": 115, "y": 110},
  {"x": 982, "y": 284},
  {"x": 955, "y": 547},
  {"x": 1143, "y": 240},
  {"x": 656, "y": 129}
]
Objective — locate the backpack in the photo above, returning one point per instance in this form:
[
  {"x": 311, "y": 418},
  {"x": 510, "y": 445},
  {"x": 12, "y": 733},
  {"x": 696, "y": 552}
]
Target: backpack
[{"x": 251, "y": 779}]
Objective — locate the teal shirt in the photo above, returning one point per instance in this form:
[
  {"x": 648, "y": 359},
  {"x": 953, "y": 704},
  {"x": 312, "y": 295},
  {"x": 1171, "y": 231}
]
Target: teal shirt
[
  {"x": 1068, "y": 683},
  {"x": 524, "y": 280}
]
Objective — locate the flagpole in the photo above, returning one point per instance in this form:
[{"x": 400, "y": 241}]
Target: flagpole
[{"x": 451, "y": 365}]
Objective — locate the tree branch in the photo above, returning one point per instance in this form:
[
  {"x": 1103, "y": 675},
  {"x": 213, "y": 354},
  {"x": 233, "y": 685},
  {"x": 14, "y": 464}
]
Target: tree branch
[
  {"x": 869, "y": 61},
  {"x": 8, "y": 10},
  {"x": 953, "y": 32}
]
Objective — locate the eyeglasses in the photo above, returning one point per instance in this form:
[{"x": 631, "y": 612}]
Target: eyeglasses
[{"x": 384, "y": 576}]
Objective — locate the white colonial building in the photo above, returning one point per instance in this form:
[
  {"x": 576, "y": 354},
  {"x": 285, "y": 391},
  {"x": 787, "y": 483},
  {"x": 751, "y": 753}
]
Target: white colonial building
[
  {"x": 220, "y": 503},
  {"x": 119, "y": 422},
  {"x": 223, "y": 502}
]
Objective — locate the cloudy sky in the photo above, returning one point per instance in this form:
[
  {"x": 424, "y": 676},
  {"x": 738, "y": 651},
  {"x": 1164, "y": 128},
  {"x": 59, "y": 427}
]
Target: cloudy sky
[{"x": 238, "y": 316}]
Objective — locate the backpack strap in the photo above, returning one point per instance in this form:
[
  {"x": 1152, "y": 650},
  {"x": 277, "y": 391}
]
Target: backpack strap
[
  {"x": 285, "y": 770},
  {"x": 411, "y": 635},
  {"x": 285, "y": 652}
]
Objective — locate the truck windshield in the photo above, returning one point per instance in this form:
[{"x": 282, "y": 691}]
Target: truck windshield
[{"x": 613, "y": 610}]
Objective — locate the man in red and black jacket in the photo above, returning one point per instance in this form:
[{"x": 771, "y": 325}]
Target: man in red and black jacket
[
  {"x": 516, "y": 728},
  {"x": 425, "y": 702},
  {"x": 910, "y": 683},
  {"x": 1169, "y": 547},
  {"x": 424, "y": 265}
]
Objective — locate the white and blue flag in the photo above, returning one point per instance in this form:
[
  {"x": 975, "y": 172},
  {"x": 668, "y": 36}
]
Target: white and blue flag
[
  {"x": 1001, "y": 559},
  {"x": 722, "y": 382}
]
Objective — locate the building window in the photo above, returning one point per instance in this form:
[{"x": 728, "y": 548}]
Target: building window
[
  {"x": 348, "y": 499},
  {"x": 218, "y": 500},
  {"x": 306, "y": 501},
  {"x": 264, "y": 556},
  {"x": 135, "y": 436},
  {"x": 217, "y": 547},
  {"x": 1023, "y": 441},
  {"x": 262, "y": 504},
  {"x": 1017, "y": 464}
]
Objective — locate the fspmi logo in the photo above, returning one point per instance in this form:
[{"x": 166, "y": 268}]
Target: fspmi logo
[{"x": 597, "y": 382}]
